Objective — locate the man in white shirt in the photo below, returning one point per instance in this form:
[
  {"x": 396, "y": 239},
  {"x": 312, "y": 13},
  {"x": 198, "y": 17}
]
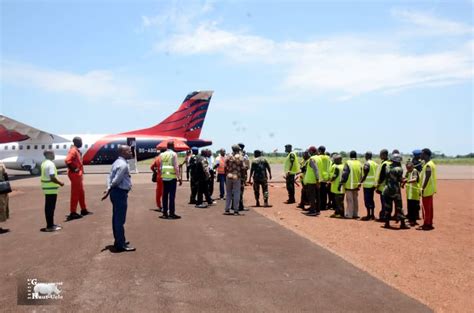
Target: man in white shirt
[{"x": 50, "y": 185}]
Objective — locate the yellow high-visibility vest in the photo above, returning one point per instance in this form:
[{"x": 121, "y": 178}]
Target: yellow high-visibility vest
[{"x": 49, "y": 187}]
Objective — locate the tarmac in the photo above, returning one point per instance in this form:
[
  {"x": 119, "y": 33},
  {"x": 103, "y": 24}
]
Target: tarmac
[{"x": 204, "y": 262}]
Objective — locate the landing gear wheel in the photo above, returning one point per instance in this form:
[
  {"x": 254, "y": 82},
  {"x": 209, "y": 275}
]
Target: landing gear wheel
[{"x": 35, "y": 171}]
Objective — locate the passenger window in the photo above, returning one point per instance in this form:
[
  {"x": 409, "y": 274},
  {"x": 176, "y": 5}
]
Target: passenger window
[
  {"x": 21, "y": 147},
  {"x": 57, "y": 147},
  {"x": 86, "y": 146},
  {"x": 6, "y": 148},
  {"x": 50, "y": 147},
  {"x": 13, "y": 147},
  {"x": 36, "y": 147},
  {"x": 65, "y": 147},
  {"x": 42, "y": 147},
  {"x": 28, "y": 147}
]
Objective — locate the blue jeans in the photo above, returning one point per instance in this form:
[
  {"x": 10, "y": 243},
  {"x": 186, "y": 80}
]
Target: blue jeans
[
  {"x": 169, "y": 194},
  {"x": 221, "y": 180},
  {"x": 119, "y": 197}
]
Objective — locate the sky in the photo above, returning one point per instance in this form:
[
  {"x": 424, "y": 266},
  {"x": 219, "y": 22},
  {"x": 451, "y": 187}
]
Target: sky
[{"x": 349, "y": 75}]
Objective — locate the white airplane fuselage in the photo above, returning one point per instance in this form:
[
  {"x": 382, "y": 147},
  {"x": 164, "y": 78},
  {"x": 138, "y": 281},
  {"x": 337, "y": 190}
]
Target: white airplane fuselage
[{"x": 28, "y": 154}]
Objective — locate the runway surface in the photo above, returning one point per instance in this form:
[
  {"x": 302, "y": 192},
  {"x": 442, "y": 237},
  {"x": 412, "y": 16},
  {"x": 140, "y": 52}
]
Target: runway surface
[{"x": 205, "y": 262}]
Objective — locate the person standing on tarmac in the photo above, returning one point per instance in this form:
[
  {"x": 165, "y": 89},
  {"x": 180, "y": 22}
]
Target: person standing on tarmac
[
  {"x": 368, "y": 181},
  {"x": 258, "y": 171},
  {"x": 50, "y": 185},
  {"x": 304, "y": 191},
  {"x": 170, "y": 176},
  {"x": 324, "y": 166},
  {"x": 220, "y": 167},
  {"x": 155, "y": 167},
  {"x": 392, "y": 192},
  {"x": 291, "y": 169},
  {"x": 75, "y": 173},
  {"x": 336, "y": 188},
  {"x": 194, "y": 183},
  {"x": 212, "y": 173},
  {"x": 203, "y": 176},
  {"x": 311, "y": 180},
  {"x": 428, "y": 181},
  {"x": 412, "y": 183},
  {"x": 244, "y": 176},
  {"x": 351, "y": 176},
  {"x": 234, "y": 169},
  {"x": 380, "y": 176}
]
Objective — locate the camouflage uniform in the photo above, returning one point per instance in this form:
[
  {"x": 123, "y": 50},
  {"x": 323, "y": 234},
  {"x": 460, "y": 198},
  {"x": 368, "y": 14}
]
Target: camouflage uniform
[
  {"x": 259, "y": 169},
  {"x": 392, "y": 194},
  {"x": 243, "y": 179}
]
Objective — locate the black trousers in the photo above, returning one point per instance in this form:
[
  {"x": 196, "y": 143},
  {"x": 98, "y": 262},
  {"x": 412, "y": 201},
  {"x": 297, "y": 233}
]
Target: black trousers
[
  {"x": 49, "y": 207},
  {"x": 323, "y": 196},
  {"x": 413, "y": 210},
  {"x": 194, "y": 184},
  {"x": 338, "y": 203},
  {"x": 203, "y": 192},
  {"x": 313, "y": 197},
  {"x": 211, "y": 184},
  {"x": 369, "y": 200},
  {"x": 304, "y": 195},
  {"x": 290, "y": 187}
]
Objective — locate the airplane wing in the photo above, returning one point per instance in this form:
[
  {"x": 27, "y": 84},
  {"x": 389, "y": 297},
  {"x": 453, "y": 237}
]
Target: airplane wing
[{"x": 11, "y": 130}]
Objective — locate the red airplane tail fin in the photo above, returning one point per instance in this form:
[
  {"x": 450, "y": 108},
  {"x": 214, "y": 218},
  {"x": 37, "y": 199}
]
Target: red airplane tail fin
[{"x": 186, "y": 122}]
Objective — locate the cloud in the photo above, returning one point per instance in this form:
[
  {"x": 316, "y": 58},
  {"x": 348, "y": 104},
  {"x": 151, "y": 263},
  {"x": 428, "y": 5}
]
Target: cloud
[
  {"x": 348, "y": 65},
  {"x": 94, "y": 85},
  {"x": 429, "y": 24}
]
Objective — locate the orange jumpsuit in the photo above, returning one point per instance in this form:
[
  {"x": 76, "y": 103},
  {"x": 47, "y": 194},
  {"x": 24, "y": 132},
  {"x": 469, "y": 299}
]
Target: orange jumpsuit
[
  {"x": 75, "y": 174},
  {"x": 156, "y": 166}
]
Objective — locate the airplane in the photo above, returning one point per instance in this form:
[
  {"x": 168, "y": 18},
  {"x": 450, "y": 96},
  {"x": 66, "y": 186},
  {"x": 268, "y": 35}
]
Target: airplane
[{"x": 22, "y": 146}]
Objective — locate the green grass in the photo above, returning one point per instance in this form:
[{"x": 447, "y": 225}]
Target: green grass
[{"x": 281, "y": 160}]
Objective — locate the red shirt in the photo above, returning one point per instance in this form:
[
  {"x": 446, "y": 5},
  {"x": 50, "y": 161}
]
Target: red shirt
[
  {"x": 156, "y": 166},
  {"x": 74, "y": 160}
]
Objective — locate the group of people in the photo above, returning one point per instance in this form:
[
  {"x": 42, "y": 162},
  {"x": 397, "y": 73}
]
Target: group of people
[
  {"x": 327, "y": 180},
  {"x": 232, "y": 176}
]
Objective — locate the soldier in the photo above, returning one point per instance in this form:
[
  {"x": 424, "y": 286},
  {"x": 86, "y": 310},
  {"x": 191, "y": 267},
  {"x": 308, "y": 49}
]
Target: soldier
[
  {"x": 194, "y": 184},
  {"x": 392, "y": 192},
  {"x": 291, "y": 168},
  {"x": 303, "y": 166},
  {"x": 417, "y": 162},
  {"x": 380, "y": 175},
  {"x": 258, "y": 171},
  {"x": 244, "y": 176},
  {"x": 202, "y": 175}
]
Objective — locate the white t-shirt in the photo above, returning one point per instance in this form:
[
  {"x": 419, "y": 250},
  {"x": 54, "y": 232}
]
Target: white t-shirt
[{"x": 49, "y": 168}]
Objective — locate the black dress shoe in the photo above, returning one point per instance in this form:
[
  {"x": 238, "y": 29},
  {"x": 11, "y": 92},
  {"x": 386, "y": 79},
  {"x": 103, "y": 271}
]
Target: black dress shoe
[
  {"x": 174, "y": 217},
  {"x": 73, "y": 216},
  {"x": 86, "y": 212},
  {"x": 125, "y": 249},
  {"x": 164, "y": 216},
  {"x": 4, "y": 230}
]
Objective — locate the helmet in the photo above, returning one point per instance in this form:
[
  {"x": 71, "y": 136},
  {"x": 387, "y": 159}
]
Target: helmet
[{"x": 396, "y": 158}]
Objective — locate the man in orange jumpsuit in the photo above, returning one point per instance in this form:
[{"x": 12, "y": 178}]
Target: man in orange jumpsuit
[
  {"x": 156, "y": 168},
  {"x": 75, "y": 174}
]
